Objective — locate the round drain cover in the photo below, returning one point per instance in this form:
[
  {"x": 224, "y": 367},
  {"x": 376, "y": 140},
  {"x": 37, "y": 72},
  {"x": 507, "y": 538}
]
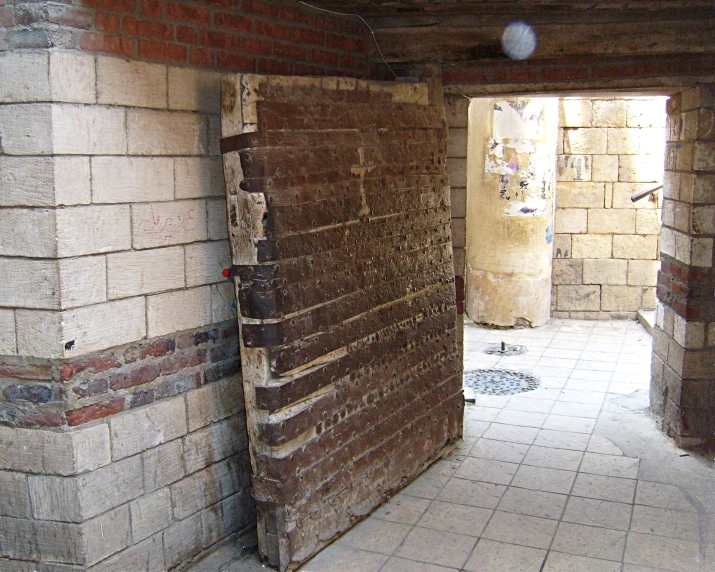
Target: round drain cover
[
  {"x": 499, "y": 381},
  {"x": 503, "y": 349}
]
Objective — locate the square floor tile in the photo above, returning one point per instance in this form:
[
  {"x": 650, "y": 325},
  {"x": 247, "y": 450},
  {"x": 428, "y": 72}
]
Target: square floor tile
[
  {"x": 592, "y": 397},
  {"x": 344, "y": 558},
  {"x": 427, "y": 485},
  {"x": 542, "y": 479},
  {"x": 662, "y": 552},
  {"x": 590, "y": 541},
  {"x": 477, "y": 413},
  {"x": 437, "y": 547},
  {"x": 490, "y": 556},
  {"x": 521, "y": 418},
  {"x": 604, "y": 488},
  {"x": 526, "y": 530},
  {"x": 598, "y": 444},
  {"x": 610, "y": 465},
  {"x": 665, "y": 522},
  {"x": 568, "y": 423},
  {"x": 402, "y": 508},
  {"x": 552, "y": 458},
  {"x": 531, "y": 405},
  {"x": 662, "y": 496},
  {"x": 576, "y": 409},
  {"x": 533, "y": 503},
  {"x": 499, "y": 450},
  {"x": 562, "y": 353},
  {"x": 598, "y": 367},
  {"x": 376, "y": 535},
  {"x": 396, "y": 564},
  {"x": 560, "y": 562},
  {"x": 594, "y": 512},
  {"x": 511, "y": 433},
  {"x": 577, "y": 383},
  {"x": 562, "y": 440},
  {"x": 552, "y": 371},
  {"x": 602, "y": 357},
  {"x": 486, "y": 470},
  {"x": 459, "y": 518},
  {"x": 461, "y": 491}
]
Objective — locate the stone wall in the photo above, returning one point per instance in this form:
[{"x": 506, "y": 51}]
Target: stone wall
[{"x": 605, "y": 246}]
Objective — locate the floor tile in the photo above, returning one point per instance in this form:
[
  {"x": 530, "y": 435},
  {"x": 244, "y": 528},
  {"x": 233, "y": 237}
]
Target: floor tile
[
  {"x": 562, "y": 353},
  {"x": 665, "y": 522},
  {"x": 661, "y": 552},
  {"x": 582, "y": 396},
  {"x": 477, "y": 413},
  {"x": 589, "y": 410},
  {"x": 561, "y": 562},
  {"x": 499, "y": 450},
  {"x": 396, "y": 564},
  {"x": 551, "y": 458},
  {"x": 567, "y": 423},
  {"x": 610, "y": 465},
  {"x": 604, "y": 488},
  {"x": 580, "y": 382},
  {"x": 491, "y": 556},
  {"x": 598, "y": 444},
  {"x": 427, "y": 485},
  {"x": 562, "y": 440},
  {"x": 403, "y": 508},
  {"x": 521, "y": 418},
  {"x": 533, "y": 503},
  {"x": 458, "y": 518},
  {"x": 600, "y": 356},
  {"x": 603, "y": 367},
  {"x": 461, "y": 491},
  {"x": 593, "y": 512},
  {"x": 511, "y": 433},
  {"x": 590, "y": 541},
  {"x": 437, "y": 547},
  {"x": 524, "y": 530},
  {"x": 341, "y": 557},
  {"x": 376, "y": 535},
  {"x": 488, "y": 471},
  {"x": 542, "y": 479},
  {"x": 540, "y": 369},
  {"x": 662, "y": 496},
  {"x": 531, "y": 405}
]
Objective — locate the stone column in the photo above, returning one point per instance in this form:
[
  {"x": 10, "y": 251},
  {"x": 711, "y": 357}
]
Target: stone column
[{"x": 683, "y": 368}]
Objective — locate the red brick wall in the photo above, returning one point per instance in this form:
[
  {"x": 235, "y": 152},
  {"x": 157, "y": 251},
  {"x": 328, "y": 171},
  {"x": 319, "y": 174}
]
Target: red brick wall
[{"x": 236, "y": 35}]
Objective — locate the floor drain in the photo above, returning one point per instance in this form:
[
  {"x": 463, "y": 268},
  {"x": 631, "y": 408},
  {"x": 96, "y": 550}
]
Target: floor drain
[
  {"x": 494, "y": 381},
  {"x": 504, "y": 349}
]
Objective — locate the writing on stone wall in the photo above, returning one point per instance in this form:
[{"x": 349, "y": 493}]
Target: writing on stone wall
[
  {"x": 161, "y": 224},
  {"x": 164, "y": 228}
]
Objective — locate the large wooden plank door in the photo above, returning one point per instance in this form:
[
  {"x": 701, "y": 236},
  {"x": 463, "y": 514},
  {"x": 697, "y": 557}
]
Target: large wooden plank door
[{"x": 339, "y": 218}]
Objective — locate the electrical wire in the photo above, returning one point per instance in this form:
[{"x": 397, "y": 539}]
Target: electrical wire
[{"x": 374, "y": 39}]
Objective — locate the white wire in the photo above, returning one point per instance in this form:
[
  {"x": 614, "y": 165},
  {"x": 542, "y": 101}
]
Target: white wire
[{"x": 374, "y": 39}]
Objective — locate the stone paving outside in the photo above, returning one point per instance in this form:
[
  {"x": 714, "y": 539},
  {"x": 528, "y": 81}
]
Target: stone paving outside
[{"x": 573, "y": 476}]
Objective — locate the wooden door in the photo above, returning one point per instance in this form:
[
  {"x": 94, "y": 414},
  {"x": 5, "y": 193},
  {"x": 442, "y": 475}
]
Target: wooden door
[{"x": 339, "y": 223}]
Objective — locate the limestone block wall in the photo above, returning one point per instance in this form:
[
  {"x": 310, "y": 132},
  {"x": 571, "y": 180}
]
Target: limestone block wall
[{"x": 606, "y": 248}]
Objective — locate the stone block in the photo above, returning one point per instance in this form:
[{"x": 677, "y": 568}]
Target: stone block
[
  {"x": 145, "y": 272},
  {"x": 586, "y": 141},
  {"x": 609, "y": 113},
  {"x": 574, "y": 168},
  {"x": 711, "y": 334},
  {"x": 132, "y": 179},
  {"x": 72, "y": 181},
  {"x": 15, "y": 500},
  {"x": 575, "y": 112},
  {"x": 217, "y": 219},
  {"x": 703, "y": 219},
  {"x": 643, "y": 272},
  {"x": 688, "y": 334},
  {"x": 83, "y": 281},
  {"x": 162, "y": 224},
  {"x": 26, "y": 181},
  {"x": 701, "y": 253},
  {"x": 458, "y": 201},
  {"x": 605, "y": 168},
  {"x": 177, "y": 311},
  {"x": 28, "y": 233},
  {"x": 106, "y": 535},
  {"x": 635, "y": 247},
  {"x": 457, "y": 143},
  {"x": 198, "y": 177},
  {"x": 646, "y": 112},
  {"x": 684, "y": 153},
  {"x": 8, "y": 342},
  {"x": 88, "y": 130},
  {"x": 166, "y": 133},
  {"x": 611, "y": 221},
  {"x": 38, "y": 333},
  {"x": 194, "y": 90},
  {"x": 163, "y": 465},
  {"x": 623, "y": 141},
  {"x": 150, "y": 514},
  {"x": 93, "y": 229},
  {"x": 562, "y": 246},
  {"x": 131, "y": 83},
  {"x": 55, "y": 498},
  {"x": 204, "y": 488},
  {"x": 622, "y": 193},
  {"x": 214, "y": 402},
  {"x": 459, "y": 232},
  {"x": 17, "y": 539},
  {"x": 215, "y": 443},
  {"x": 146, "y": 555},
  {"x": 457, "y": 171},
  {"x": 605, "y": 272},
  {"x": 95, "y": 328},
  {"x": 90, "y": 448},
  {"x": 621, "y": 298},
  {"x": 60, "y": 542},
  {"x": 703, "y": 189},
  {"x": 640, "y": 169},
  {"x": 205, "y": 261},
  {"x": 29, "y": 283},
  {"x": 652, "y": 142},
  {"x": 567, "y": 271},
  {"x": 147, "y": 427},
  {"x": 72, "y": 77},
  {"x": 580, "y": 195},
  {"x": 25, "y": 77},
  {"x": 583, "y": 298},
  {"x": 650, "y": 298},
  {"x": 26, "y": 129},
  {"x": 647, "y": 221},
  {"x": 182, "y": 540},
  {"x": 571, "y": 221},
  {"x": 677, "y": 215},
  {"x": 457, "y": 110},
  {"x": 591, "y": 246}
]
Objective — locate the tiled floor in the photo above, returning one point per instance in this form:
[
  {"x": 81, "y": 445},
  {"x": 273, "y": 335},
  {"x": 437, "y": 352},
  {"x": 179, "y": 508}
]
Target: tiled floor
[{"x": 573, "y": 476}]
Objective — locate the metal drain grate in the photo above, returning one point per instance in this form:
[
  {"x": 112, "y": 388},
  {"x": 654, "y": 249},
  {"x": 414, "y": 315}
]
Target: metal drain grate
[
  {"x": 504, "y": 349},
  {"x": 499, "y": 381}
]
